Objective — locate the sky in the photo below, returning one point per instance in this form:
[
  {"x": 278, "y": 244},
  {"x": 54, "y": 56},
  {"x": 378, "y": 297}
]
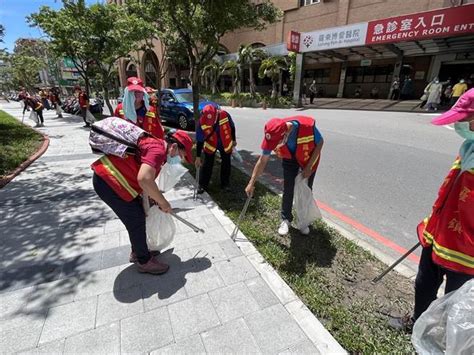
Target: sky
[{"x": 13, "y": 17}]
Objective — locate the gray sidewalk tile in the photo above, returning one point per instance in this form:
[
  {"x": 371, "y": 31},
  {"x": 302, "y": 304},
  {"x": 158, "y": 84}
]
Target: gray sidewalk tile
[
  {"x": 119, "y": 304},
  {"x": 214, "y": 234},
  {"x": 163, "y": 290},
  {"x": 52, "y": 294},
  {"x": 231, "y": 338},
  {"x": 203, "y": 281},
  {"x": 53, "y": 348},
  {"x": 233, "y": 302},
  {"x": 187, "y": 346},
  {"x": 305, "y": 347},
  {"x": 68, "y": 319},
  {"x": 12, "y": 302},
  {"x": 192, "y": 316},
  {"x": 230, "y": 249},
  {"x": 261, "y": 292},
  {"x": 146, "y": 332},
  {"x": 21, "y": 332},
  {"x": 235, "y": 270},
  {"x": 103, "y": 340},
  {"x": 274, "y": 329},
  {"x": 114, "y": 257},
  {"x": 96, "y": 282}
]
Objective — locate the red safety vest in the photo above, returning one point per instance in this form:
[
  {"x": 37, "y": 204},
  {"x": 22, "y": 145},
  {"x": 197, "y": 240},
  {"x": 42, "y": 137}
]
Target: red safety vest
[
  {"x": 450, "y": 228},
  {"x": 304, "y": 144},
  {"x": 150, "y": 123},
  {"x": 120, "y": 174},
  {"x": 225, "y": 133},
  {"x": 83, "y": 99}
]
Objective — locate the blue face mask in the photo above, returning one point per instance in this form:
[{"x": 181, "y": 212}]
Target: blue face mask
[
  {"x": 462, "y": 128},
  {"x": 173, "y": 160}
]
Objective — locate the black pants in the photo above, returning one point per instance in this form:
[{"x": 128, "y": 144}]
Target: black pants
[
  {"x": 311, "y": 97},
  {"x": 429, "y": 279},
  {"x": 291, "y": 169},
  {"x": 40, "y": 115},
  {"x": 207, "y": 166},
  {"x": 84, "y": 115},
  {"x": 395, "y": 94},
  {"x": 130, "y": 213},
  {"x": 453, "y": 100}
]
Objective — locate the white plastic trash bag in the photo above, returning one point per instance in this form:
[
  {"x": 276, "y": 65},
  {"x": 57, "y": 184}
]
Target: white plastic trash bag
[
  {"x": 306, "y": 209},
  {"x": 447, "y": 326},
  {"x": 169, "y": 176},
  {"x": 34, "y": 117},
  {"x": 160, "y": 229}
]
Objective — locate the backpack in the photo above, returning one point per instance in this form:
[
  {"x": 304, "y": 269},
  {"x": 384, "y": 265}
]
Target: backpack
[{"x": 115, "y": 136}]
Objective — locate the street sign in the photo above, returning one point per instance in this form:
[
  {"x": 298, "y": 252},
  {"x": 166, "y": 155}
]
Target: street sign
[{"x": 365, "y": 62}]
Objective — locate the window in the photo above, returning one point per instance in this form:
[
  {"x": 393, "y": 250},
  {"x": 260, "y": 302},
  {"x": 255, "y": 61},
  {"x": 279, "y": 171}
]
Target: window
[
  {"x": 309, "y": 2},
  {"x": 371, "y": 74}
]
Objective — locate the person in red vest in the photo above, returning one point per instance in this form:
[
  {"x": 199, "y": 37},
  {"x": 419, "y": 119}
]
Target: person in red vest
[
  {"x": 136, "y": 108},
  {"x": 36, "y": 106},
  {"x": 119, "y": 182},
  {"x": 83, "y": 103},
  {"x": 298, "y": 142},
  {"x": 56, "y": 100},
  {"x": 216, "y": 131},
  {"x": 447, "y": 236}
]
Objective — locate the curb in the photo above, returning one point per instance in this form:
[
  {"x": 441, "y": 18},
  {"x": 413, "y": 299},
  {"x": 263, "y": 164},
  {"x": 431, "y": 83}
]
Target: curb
[{"x": 5, "y": 180}]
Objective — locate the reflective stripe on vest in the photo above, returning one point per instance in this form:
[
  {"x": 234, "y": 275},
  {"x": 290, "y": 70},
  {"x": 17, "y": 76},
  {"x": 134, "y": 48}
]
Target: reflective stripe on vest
[
  {"x": 449, "y": 254},
  {"x": 118, "y": 175}
]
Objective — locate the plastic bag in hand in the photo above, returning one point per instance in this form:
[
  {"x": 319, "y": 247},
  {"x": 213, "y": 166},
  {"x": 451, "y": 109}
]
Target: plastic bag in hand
[
  {"x": 169, "y": 176},
  {"x": 90, "y": 117},
  {"x": 236, "y": 155},
  {"x": 447, "y": 326},
  {"x": 305, "y": 206},
  {"x": 34, "y": 117},
  {"x": 160, "y": 229}
]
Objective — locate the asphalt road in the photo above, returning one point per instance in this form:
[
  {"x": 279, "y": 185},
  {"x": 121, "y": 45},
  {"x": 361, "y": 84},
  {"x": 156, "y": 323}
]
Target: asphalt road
[{"x": 381, "y": 169}]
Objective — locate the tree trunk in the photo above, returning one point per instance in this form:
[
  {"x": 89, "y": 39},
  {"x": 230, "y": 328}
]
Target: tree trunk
[
  {"x": 251, "y": 81},
  {"x": 107, "y": 99},
  {"x": 194, "y": 77},
  {"x": 274, "y": 89}
]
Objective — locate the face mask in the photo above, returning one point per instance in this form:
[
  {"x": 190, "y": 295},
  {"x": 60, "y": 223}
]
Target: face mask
[
  {"x": 436, "y": 81},
  {"x": 173, "y": 160},
  {"x": 462, "y": 128}
]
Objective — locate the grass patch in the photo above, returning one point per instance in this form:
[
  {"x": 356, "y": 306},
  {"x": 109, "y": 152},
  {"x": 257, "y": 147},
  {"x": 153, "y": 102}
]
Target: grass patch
[
  {"x": 328, "y": 272},
  {"x": 17, "y": 143}
]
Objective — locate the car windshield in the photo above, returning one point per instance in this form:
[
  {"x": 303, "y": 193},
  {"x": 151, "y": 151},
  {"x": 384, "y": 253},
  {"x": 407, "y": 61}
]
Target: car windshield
[{"x": 186, "y": 97}]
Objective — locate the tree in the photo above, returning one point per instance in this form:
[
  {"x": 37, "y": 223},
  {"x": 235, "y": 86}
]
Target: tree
[
  {"x": 248, "y": 55},
  {"x": 271, "y": 68},
  {"x": 232, "y": 67},
  {"x": 2, "y": 33},
  {"x": 200, "y": 24},
  {"x": 212, "y": 72},
  {"x": 94, "y": 37},
  {"x": 26, "y": 62}
]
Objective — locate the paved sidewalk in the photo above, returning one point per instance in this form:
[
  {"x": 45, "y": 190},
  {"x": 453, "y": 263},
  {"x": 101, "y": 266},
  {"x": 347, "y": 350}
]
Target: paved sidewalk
[
  {"x": 365, "y": 104},
  {"x": 66, "y": 285}
]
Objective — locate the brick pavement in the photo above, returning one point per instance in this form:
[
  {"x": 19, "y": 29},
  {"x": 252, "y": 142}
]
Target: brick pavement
[{"x": 66, "y": 285}]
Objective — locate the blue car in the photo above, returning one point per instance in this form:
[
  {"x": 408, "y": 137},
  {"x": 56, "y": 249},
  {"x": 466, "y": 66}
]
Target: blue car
[{"x": 176, "y": 105}]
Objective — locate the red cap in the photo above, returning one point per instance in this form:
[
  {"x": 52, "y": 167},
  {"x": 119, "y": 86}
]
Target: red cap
[
  {"x": 209, "y": 112},
  {"x": 183, "y": 138},
  {"x": 135, "y": 84},
  {"x": 77, "y": 87},
  {"x": 150, "y": 90},
  {"x": 275, "y": 129},
  {"x": 462, "y": 109}
]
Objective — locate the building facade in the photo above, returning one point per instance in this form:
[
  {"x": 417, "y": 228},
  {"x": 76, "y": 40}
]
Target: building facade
[{"x": 350, "y": 67}]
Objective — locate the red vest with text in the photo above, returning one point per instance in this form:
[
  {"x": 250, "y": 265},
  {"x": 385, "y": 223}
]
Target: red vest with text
[
  {"x": 304, "y": 144},
  {"x": 120, "y": 174},
  {"x": 225, "y": 132},
  {"x": 150, "y": 123},
  {"x": 450, "y": 228}
]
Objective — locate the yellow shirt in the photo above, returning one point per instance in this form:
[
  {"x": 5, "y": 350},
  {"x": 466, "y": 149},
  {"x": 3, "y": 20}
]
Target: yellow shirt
[{"x": 459, "y": 89}]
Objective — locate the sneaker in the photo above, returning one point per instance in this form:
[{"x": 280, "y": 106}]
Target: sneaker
[
  {"x": 305, "y": 230},
  {"x": 60, "y": 116},
  {"x": 133, "y": 257},
  {"x": 37, "y": 125},
  {"x": 284, "y": 227},
  {"x": 153, "y": 266},
  {"x": 200, "y": 191},
  {"x": 404, "y": 323}
]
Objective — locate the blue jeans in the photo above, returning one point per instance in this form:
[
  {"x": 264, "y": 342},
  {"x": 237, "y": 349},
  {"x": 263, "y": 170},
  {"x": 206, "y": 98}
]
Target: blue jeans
[{"x": 291, "y": 168}]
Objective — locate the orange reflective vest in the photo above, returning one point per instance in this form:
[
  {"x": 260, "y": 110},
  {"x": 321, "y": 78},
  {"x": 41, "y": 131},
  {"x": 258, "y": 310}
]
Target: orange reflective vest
[
  {"x": 120, "y": 174},
  {"x": 304, "y": 145},
  {"x": 150, "y": 123},
  {"x": 450, "y": 228},
  {"x": 225, "y": 133}
]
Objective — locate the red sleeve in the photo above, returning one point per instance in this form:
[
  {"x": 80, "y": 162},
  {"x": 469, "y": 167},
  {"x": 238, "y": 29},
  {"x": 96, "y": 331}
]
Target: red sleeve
[
  {"x": 152, "y": 152},
  {"x": 466, "y": 207},
  {"x": 117, "y": 110}
]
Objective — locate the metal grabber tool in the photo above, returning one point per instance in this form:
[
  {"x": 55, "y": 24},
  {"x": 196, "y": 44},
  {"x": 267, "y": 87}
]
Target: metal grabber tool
[
  {"x": 195, "y": 228},
  {"x": 241, "y": 217},
  {"x": 387, "y": 270},
  {"x": 196, "y": 186}
]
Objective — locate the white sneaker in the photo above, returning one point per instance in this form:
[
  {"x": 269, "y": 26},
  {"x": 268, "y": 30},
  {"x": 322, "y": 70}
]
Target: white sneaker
[
  {"x": 305, "y": 230},
  {"x": 284, "y": 227}
]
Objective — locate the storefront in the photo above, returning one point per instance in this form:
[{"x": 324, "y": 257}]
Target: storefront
[{"x": 361, "y": 60}]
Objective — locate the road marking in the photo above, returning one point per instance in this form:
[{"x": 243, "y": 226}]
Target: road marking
[{"x": 449, "y": 127}]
